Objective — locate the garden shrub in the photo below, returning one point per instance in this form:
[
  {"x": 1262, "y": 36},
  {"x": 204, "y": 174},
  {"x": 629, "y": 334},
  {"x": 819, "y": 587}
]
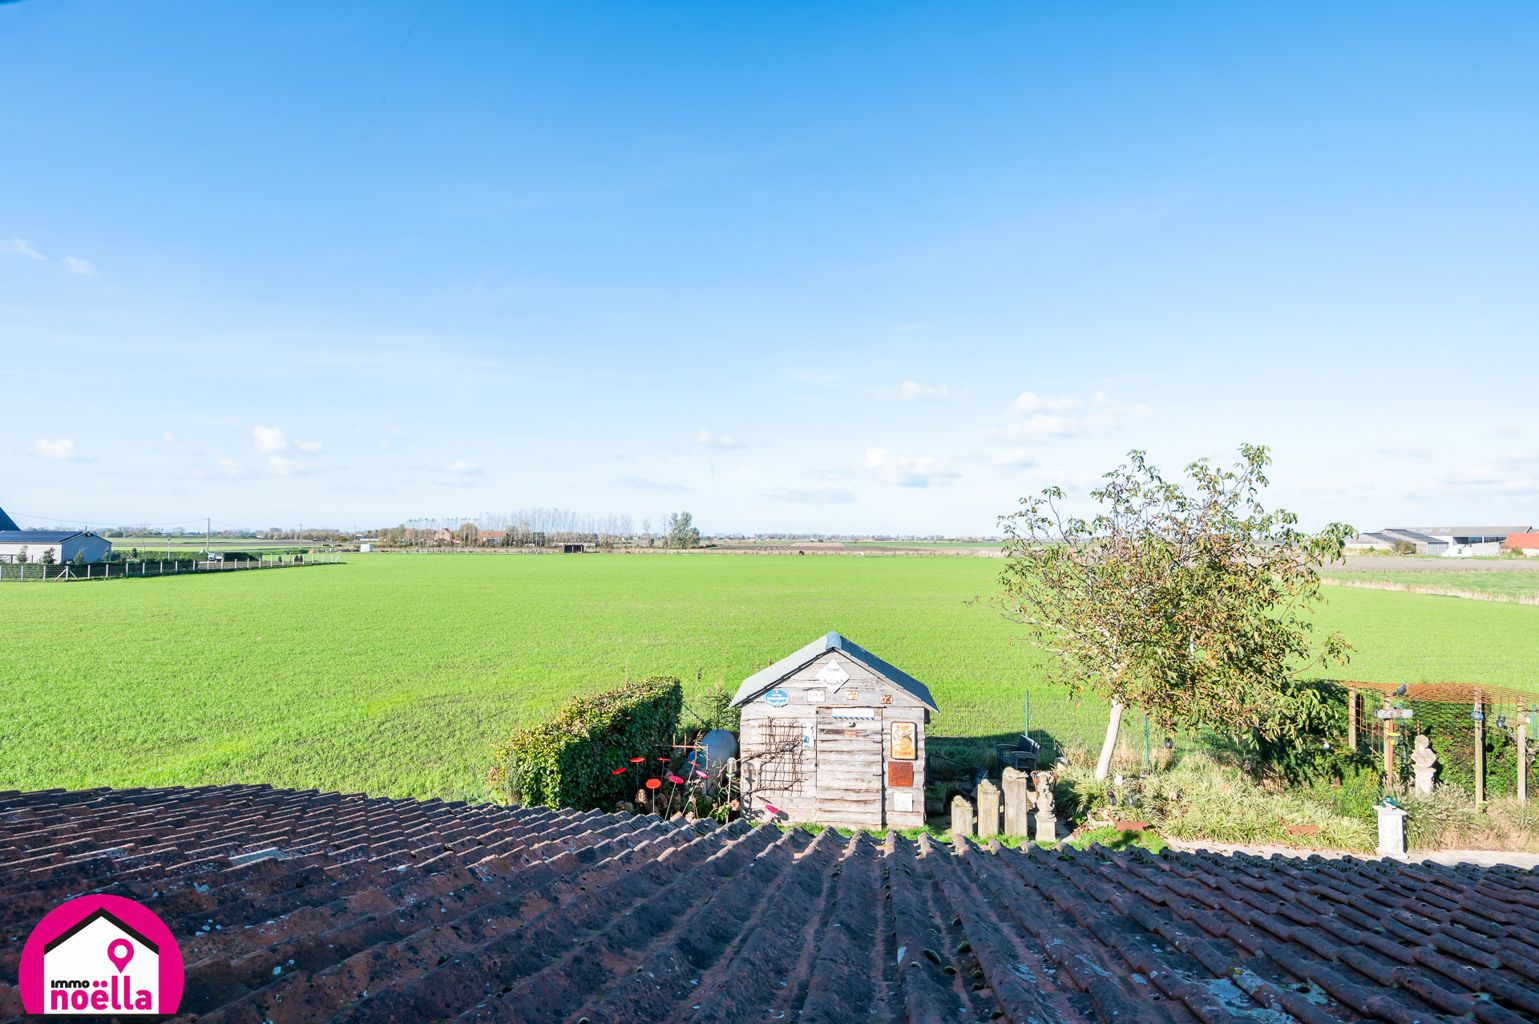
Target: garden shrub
[{"x": 568, "y": 760}]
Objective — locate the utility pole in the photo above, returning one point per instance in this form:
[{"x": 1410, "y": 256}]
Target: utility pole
[{"x": 208, "y": 534}]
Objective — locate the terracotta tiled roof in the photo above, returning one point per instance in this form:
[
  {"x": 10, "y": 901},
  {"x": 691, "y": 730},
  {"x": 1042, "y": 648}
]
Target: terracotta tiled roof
[
  {"x": 1520, "y": 541},
  {"x": 301, "y": 906}
]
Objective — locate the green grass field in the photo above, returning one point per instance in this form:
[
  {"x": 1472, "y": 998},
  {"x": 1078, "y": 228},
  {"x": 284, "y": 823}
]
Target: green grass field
[
  {"x": 1511, "y": 585},
  {"x": 393, "y": 674}
]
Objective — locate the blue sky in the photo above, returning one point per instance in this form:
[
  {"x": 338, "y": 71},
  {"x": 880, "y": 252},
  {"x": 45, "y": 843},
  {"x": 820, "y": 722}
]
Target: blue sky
[{"x": 841, "y": 267}]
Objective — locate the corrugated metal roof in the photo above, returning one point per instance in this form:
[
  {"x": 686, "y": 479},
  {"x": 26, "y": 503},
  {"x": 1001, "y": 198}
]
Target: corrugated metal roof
[
  {"x": 768, "y": 677},
  {"x": 302, "y": 906},
  {"x": 6, "y": 522},
  {"x": 40, "y": 536},
  {"x": 1468, "y": 531}
]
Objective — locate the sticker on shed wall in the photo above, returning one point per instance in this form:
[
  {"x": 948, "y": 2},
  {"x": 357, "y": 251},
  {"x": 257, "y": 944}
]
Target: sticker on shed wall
[
  {"x": 777, "y": 698},
  {"x": 855, "y": 713},
  {"x": 903, "y": 800},
  {"x": 833, "y": 675},
  {"x": 816, "y": 696},
  {"x": 904, "y": 745}
]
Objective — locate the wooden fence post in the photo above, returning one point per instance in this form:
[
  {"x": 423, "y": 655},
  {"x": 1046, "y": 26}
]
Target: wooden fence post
[
  {"x": 1480, "y": 753},
  {"x": 1389, "y": 748},
  {"x": 1352, "y": 720},
  {"x": 1522, "y": 763}
]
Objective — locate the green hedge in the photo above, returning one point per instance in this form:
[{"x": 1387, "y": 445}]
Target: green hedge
[{"x": 569, "y": 760}]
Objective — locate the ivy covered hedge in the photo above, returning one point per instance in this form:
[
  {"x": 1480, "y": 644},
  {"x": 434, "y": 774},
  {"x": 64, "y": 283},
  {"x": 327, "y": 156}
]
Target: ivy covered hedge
[{"x": 569, "y": 760}]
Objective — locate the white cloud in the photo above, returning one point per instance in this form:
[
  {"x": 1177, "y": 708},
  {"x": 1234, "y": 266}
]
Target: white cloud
[
  {"x": 76, "y": 265},
  {"x": 269, "y": 439},
  {"x": 818, "y": 496},
  {"x": 910, "y": 390},
  {"x": 905, "y": 470},
  {"x": 61, "y": 448},
  {"x": 711, "y": 440},
  {"x": 1030, "y": 402},
  {"x": 645, "y": 484},
  {"x": 280, "y": 466},
  {"x": 1013, "y": 458},
  {"x": 1061, "y": 416},
  {"x": 464, "y": 468},
  {"x": 21, "y": 247},
  {"x": 230, "y": 467},
  {"x": 273, "y": 441}
]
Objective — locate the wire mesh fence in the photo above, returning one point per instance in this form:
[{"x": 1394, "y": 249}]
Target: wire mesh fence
[{"x": 1483, "y": 736}]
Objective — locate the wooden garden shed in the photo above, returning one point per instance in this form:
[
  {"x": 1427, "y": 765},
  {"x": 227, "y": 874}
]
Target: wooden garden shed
[{"x": 835, "y": 735}]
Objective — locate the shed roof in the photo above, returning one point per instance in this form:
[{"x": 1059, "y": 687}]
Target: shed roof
[
  {"x": 306, "y": 906},
  {"x": 765, "y": 678},
  {"x": 6, "y": 522},
  {"x": 1522, "y": 540},
  {"x": 40, "y": 536}
]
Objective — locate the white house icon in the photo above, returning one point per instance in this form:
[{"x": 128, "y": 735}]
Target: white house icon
[{"x": 100, "y": 967}]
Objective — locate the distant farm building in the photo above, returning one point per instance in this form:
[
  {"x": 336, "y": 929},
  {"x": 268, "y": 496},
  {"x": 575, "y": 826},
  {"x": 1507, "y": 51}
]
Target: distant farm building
[
  {"x": 573, "y": 549},
  {"x": 834, "y": 735},
  {"x": 1443, "y": 541},
  {"x": 64, "y": 545},
  {"x": 1527, "y": 543},
  {"x": 492, "y": 538}
]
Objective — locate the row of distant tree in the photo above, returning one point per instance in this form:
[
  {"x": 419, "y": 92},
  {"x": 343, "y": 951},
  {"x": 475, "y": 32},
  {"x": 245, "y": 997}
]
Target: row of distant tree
[{"x": 538, "y": 528}]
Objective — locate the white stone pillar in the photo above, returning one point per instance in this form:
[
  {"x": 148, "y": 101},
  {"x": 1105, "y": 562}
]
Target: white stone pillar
[{"x": 1391, "y": 831}]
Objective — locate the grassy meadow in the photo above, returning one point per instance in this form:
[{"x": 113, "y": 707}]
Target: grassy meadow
[
  {"x": 392, "y": 674},
  {"x": 1511, "y": 585}
]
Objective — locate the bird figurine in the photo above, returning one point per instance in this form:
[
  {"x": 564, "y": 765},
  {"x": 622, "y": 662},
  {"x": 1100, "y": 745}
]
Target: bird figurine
[
  {"x": 1390, "y": 801},
  {"x": 1400, "y": 690}
]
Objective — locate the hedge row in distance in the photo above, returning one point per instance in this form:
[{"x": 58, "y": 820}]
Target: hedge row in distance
[{"x": 569, "y": 760}]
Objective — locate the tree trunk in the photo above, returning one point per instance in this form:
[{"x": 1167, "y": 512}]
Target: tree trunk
[{"x": 1113, "y": 724}]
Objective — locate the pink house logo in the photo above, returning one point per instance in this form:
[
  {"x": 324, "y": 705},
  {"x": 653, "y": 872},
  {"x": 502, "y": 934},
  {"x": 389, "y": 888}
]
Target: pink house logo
[{"x": 101, "y": 956}]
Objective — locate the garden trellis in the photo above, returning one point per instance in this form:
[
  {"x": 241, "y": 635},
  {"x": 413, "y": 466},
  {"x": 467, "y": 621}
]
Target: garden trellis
[{"x": 1486, "y": 737}]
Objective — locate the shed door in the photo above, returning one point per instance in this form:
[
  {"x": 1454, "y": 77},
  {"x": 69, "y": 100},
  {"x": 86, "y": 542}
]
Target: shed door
[{"x": 850, "y": 790}]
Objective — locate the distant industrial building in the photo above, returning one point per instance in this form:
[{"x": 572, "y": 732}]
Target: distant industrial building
[{"x": 1443, "y": 541}]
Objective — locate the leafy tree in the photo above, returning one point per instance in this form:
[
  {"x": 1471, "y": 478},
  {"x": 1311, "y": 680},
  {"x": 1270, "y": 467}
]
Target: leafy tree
[
  {"x": 47, "y": 558},
  {"x": 682, "y": 532},
  {"x": 1189, "y": 600}
]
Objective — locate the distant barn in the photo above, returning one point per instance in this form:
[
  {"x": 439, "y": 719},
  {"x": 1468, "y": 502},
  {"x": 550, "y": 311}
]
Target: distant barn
[
  {"x": 65, "y": 545},
  {"x": 834, "y": 735}
]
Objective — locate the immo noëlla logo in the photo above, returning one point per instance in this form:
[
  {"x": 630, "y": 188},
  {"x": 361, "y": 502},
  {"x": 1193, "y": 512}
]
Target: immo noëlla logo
[{"x": 101, "y": 956}]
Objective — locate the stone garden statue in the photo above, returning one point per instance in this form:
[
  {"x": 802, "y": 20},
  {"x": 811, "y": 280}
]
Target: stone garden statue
[
  {"x": 1423, "y": 761},
  {"x": 1047, "y": 816}
]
